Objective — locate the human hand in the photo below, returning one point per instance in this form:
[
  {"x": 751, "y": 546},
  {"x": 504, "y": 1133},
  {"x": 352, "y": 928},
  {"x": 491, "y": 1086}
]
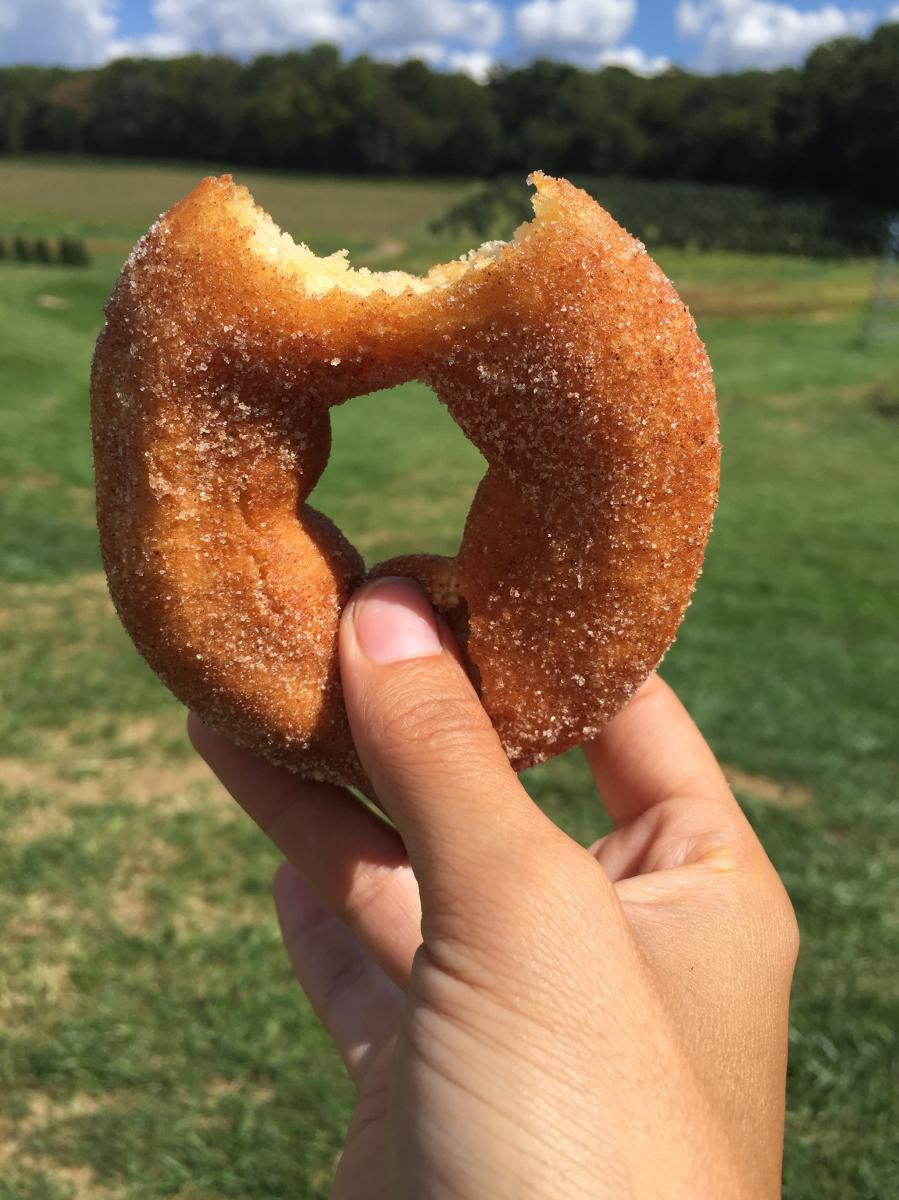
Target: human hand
[{"x": 523, "y": 1017}]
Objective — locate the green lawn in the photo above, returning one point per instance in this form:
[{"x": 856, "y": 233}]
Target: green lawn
[
  {"x": 151, "y": 1042},
  {"x": 112, "y": 203}
]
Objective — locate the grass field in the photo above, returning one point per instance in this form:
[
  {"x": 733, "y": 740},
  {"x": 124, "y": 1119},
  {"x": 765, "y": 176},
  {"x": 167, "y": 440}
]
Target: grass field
[
  {"x": 112, "y": 203},
  {"x": 151, "y": 1042}
]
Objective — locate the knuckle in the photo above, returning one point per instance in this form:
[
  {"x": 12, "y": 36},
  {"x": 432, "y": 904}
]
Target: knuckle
[
  {"x": 787, "y": 927},
  {"x": 364, "y": 895},
  {"x": 343, "y": 984},
  {"x": 370, "y": 891},
  {"x": 775, "y": 920},
  {"x": 577, "y": 899},
  {"x": 563, "y": 871},
  {"x": 413, "y": 718}
]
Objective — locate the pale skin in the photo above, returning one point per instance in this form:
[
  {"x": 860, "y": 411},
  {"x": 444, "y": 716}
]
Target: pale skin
[{"x": 523, "y": 1017}]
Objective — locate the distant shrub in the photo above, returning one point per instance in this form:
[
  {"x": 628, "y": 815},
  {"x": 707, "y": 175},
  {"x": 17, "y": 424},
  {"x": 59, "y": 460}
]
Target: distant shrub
[
  {"x": 22, "y": 249},
  {"x": 67, "y": 251},
  {"x": 693, "y": 216},
  {"x": 73, "y": 252}
]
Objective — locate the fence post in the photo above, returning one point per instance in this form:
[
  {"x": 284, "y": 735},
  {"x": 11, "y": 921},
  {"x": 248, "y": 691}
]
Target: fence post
[{"x": 883, "y": 315}]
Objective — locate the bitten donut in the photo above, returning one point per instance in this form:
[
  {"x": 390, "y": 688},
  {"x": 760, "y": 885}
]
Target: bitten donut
[{"x": 565, "y": 356}]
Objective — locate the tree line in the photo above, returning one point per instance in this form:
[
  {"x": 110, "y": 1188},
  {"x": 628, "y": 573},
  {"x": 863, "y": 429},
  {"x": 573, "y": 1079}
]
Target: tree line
[
  {"x": 829, "y": 126},
  {"x": 693, "y": 216},
  {"x": 64, "y": 251}
]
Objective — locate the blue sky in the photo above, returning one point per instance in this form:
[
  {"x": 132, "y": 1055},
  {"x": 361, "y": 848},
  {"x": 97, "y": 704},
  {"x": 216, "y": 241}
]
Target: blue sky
[
  {"x": 471, "y": 35},
  {"x": 654, "y": 30}
]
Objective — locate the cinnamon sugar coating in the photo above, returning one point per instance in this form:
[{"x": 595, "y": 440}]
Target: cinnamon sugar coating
[{"x": 566, "y": 356}]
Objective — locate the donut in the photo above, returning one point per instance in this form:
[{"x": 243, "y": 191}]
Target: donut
[{"x": 566, "y": 357}]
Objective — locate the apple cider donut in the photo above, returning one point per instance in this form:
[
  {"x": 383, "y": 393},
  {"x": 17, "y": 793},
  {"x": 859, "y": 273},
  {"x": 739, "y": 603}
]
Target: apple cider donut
[{"x": 565, "y": 356}]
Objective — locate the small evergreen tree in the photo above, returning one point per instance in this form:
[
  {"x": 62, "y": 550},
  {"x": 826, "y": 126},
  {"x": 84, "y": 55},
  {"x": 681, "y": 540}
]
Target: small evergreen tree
[
  {"x": 21, "y": 249},
  {"x": 73, "y": 252}
]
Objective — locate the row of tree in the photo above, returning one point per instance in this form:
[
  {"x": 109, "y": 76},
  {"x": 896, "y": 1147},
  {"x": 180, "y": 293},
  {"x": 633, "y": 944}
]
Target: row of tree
[
  {"x": 65, "y": 251},
  {"x": 831, "y": 125},
  {"x": 694, "y": 216}
]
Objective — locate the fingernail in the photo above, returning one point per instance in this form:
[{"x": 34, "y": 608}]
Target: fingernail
[{"x": 393, "y": 621}]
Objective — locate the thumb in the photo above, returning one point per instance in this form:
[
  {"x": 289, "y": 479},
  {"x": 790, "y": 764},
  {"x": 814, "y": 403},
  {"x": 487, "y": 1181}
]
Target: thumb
[{"x": 430, "y": 751}]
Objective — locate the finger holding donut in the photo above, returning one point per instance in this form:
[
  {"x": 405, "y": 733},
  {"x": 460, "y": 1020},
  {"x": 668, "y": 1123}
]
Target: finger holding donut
[{"x": 564, "y": 355}]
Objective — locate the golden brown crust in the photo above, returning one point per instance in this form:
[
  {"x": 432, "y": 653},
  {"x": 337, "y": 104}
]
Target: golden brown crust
[{"x": 570, "y": 362}]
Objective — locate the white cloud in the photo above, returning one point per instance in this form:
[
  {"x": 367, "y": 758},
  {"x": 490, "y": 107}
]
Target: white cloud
[
  {"x": 693, "y": 17},
  {"x": 577, "y": 30},
  {"x": 735, "y": 34},
  {"x": 56, "y": 32},
  {"x": 244, "y": 29},
  {"x": 442, "y": 32},
  {"x": 634, "y": 59},
  {"x": 401, "y": 22},
  {"x": 476, "y": 63},
  {"x": 458, "y": 34},
  {"x": 391, "y": 30},
  {"x": 464, "y": 35},
  {"x": 150, "y": 45},
  {"x": 586, "y": 32},
  {"x": 893, "y": 14}
]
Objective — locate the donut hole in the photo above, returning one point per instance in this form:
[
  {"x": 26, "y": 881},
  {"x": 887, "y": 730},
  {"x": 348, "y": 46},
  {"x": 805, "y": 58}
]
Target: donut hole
[{"x": 401, "y": 475}]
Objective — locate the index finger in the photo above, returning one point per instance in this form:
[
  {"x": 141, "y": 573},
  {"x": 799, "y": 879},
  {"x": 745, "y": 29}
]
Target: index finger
[
  {"x": 354, "y": 860},
  {"x": 653, "y": 752}
]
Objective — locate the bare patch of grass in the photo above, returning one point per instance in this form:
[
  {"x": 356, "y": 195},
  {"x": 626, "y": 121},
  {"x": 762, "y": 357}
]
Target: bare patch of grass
[
  {"x": 52, "y": 978},
  {"x": 81, "y": 1180},
  {"x": 39, "y": 915},
  {"x": 129, "y": 908},
  {"x": 218, "y": 1087},
  {"x": 19, "y": 1140},
  {"x": 174, "y": 789},
  {"x": 85, "y": 595},
  {"x": 142, "y": 731},
  {"x": 146, "y": 864},
  {"x": 200, "y": 914},
  {"x": 387, "y": 248},
  {"x": 31, "y": 479},
  {"x": 35, "y": 822},
  {"x": 774, "y": 301},
  {"x": 58, "y": 303},
  {"x": 154, "y": 782}
]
